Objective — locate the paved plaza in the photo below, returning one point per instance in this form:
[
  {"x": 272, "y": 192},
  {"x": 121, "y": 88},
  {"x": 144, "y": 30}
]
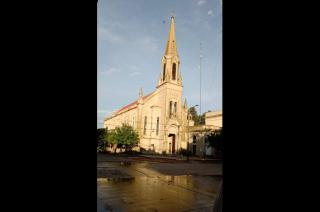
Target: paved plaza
[{"x": 137, "y": 184}]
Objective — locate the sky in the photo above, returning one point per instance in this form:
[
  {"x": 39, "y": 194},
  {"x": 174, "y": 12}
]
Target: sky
[{"x": 131, "y": 42}]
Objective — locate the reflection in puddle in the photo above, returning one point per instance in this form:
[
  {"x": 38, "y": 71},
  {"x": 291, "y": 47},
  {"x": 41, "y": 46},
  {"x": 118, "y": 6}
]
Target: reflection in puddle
[{"x": 152, "y": 191}]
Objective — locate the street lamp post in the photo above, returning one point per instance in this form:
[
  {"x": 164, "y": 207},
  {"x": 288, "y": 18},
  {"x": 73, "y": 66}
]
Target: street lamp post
[{"x": 188, "y": 132}]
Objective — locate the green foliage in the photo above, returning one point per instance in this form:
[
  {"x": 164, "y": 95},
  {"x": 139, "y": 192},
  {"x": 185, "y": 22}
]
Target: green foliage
[
  {"x": 182, "y": 152},
  {"x": 195, "y": 117},
  {"x": 201, "y": 120},
  {"x": 194, "y": 114},
  {"x": 123, "y": 136},
  {"x": 102, "y": 139},
  {"x": 216, "y": 141}
]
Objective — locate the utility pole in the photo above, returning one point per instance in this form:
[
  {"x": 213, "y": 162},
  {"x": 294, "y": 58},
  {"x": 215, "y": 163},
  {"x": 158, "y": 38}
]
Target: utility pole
[
  {"x": 188, "y": 137},
  {"x": 200, "y": 58},
  {"x": 188, "y": 113}
]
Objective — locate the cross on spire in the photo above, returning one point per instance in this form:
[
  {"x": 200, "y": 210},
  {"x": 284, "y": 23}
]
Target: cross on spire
[{"x": 172, "y": 13}]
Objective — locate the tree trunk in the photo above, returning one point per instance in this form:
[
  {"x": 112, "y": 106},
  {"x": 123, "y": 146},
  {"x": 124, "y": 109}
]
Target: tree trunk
[{"x": 115, "y": 149}]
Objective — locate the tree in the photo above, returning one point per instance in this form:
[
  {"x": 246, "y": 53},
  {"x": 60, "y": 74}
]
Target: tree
[
  {"x": 114, "y": 140},
  {"x": 202, "y": 120},
  {"x": 216, "y": 141},
  {"x": 129, "y": 137},
  {"x": 197, "y": 118},
  {"x": 194, "y": 115},
  {"x": 102, "y": 139},
  {"x": 123, "y": 136}
]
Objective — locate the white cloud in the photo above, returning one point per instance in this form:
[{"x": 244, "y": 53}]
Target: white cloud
[
  {"x": 110, "y": 71},
  {"x": 148, "y": 43},
  {"x": 116, "y": 25},
  {"x": 201, "y": 2},
  {"x": 101, "y": 115},
  {"x": 135, "y": 73},
  {"x": 133, "y": 67},
  {"x": 107, "y": 34},
  {"x": 104, "y": 111},
  {"x": 210, "y": 12}
]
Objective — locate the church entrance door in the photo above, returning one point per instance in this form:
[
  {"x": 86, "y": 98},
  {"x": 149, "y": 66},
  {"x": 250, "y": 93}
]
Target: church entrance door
[{"x": 173, "y": 144}]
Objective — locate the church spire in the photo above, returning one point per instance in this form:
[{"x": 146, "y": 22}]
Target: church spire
[
  {"x": 140, "y": 93},
  {"x": 170, "y": 61},
  {"x": 171, "y": 48},
  {"x": 185, "y": 105}
]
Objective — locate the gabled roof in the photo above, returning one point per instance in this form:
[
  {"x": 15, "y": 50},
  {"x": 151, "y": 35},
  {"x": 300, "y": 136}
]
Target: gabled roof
[{"x": 132, "y": 104}]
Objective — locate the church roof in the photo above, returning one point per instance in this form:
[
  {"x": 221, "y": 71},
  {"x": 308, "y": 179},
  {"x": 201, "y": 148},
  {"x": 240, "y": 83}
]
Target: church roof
[{"x": 132, "y": 104}]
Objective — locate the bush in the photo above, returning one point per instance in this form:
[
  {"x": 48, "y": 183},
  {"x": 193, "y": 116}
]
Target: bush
[{"x": 182, "y": 152}]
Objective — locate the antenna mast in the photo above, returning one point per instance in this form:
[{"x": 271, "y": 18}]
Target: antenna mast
[{"x": 200, "y": 57}]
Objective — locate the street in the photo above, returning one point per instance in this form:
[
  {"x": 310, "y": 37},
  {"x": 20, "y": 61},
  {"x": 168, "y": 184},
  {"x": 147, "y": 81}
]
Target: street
[{"x": 128, "y": 184}]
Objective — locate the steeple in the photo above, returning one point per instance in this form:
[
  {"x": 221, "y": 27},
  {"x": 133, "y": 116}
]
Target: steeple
[
  {"x": 171, "y": 48},
  {"x": 170, "y": 60},
  {"x": 185, "y": 105},
  {"x": 140, "y": 93}
]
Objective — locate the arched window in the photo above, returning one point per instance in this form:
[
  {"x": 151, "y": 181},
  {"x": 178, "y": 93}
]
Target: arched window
[
  {"x": 145, "y": 125},
  {"x": 164, "y": 72},
  {"x": 173, "y": 71},
  {"x": 157, "y": 126}
]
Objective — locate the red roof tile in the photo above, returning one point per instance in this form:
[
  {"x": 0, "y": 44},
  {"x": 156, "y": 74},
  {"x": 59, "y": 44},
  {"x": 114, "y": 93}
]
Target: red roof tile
[{"x": 131, "y": 104}]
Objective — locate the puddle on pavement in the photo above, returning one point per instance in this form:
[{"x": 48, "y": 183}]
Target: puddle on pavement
[{"x": 152, "y": 191}]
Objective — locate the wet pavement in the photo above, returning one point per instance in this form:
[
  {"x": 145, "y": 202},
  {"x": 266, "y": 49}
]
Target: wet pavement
[{"x": 157, "y": 186}]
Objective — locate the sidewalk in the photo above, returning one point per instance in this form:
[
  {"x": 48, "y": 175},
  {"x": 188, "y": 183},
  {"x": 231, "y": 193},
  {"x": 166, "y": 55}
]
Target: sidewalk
[
  {"x": 180, "y": 158},
  {"x": 153, "y": 158}
]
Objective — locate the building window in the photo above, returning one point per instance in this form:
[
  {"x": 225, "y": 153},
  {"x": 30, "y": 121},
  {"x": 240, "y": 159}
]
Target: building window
[
  {"x": 175, "y": 108},
  {"x": 170, "y": 108},
  {"x": 133, "y": 122},
  {"x": 173, "y": 71},
  {"x": 164, "y": 72},
  {"x": 157, "y": 132},
  {"x": 145, "y": 125}
]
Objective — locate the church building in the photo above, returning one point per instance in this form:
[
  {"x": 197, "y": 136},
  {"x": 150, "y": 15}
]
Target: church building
[{"x": 160, "y": 117}]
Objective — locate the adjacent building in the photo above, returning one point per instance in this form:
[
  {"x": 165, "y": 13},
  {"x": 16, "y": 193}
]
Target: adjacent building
[{"x": 198, "y": 145}]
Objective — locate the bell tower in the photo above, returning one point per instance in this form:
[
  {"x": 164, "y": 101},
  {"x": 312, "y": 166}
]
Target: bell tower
[
  {"x": 169, "y": 92},
  {"x": 170, "y": 61}
]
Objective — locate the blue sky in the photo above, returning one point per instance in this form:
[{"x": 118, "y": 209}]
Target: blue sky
[{"x": 131, "y": 41}]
